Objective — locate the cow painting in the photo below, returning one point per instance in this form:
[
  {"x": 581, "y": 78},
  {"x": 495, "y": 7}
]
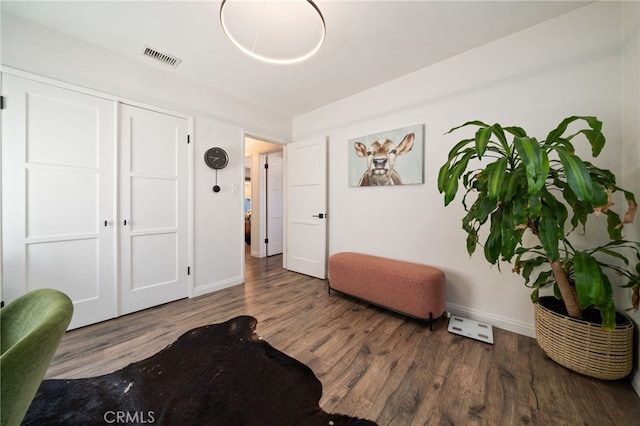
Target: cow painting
[{"x": 381, "y": 156}]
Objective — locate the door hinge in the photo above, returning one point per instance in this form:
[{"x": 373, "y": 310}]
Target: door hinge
[
  {"x": 266, "y": 165},
  {"x": 188, "y": 270},
  {"x": 266, "y": 241},
  {"x": 188, "y": 138},
  {"x": 1, "y": 102}
]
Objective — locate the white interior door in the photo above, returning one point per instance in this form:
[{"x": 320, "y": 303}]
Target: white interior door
[
  {"x": 153, "y": 208},
  {"x": 58, "y": 212},
  {"x": 306, "y": 165},
  {"x": 275, "y": 203}
]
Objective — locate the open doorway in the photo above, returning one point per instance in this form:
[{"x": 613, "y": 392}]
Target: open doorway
[{"x": 264, "y": 197}]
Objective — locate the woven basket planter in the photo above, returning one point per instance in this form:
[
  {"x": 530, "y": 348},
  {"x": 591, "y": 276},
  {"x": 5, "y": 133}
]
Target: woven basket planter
[{"x": 584, "y": 347}]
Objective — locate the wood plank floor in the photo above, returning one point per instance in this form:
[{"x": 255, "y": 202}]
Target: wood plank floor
[{"x": 372, "y": 363}]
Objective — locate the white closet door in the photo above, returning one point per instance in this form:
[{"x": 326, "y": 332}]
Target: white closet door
[
  {"x": 58, "y": 196},
  {"x": 153, "y": 208}
]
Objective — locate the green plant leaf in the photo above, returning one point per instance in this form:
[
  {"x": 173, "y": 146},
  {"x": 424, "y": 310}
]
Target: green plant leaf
[
  {"x": 498, "y": 131},
  {"x": 566, "y": 144},
  {"x": 479, "y": 212},
  {"x": 516, "y": 131},
  {"x": 443, "y": 177},
  {"x": 529, "y": 265},
  {"x": 592, "y": 285},
  {"x": 599, "y": 196},
  {"x": 549, "y": 233},
  {"x": 483, "y": 135},
  {"x": 514, "y": 181},
  {"x": 458, "y": 148},
  {"x": 614, "y": 225},
  {"x": 448, "y": 178},
  {"x": 450, "y": 191},
  {"x": 486, "y": 206},
  {"x": 493, "y": 245},
  {"x": 556, "y": 208},
  {"x": 505, "y": 149},
  {"x": 605, "y": 250},
  {"x": 579, "y": 209},
  {"x": 535, "y": 295},
  {"x": 468, "y": 123},
  {"x": 520, "y": 218},
  {"x": 595, "y": 138},
  {"x": 535, "y": 161},
  {"x": 559, "y": 131},
  {"x": 593, "y": 134},
  {"x": 495, "y": 178},
  {"x": 605, "y": 177},
  {"x": 577, "y": 175},
  {"x": 588, "y": 279},
  {"x": 608, "y": 313},
  {"x": 509, "y": 235},
  {"x": 472, "y": 241},
  {"x": 556, "y": 291},
  {"x": 534, "y": 205},
  {"x": 544, "y": 278}
]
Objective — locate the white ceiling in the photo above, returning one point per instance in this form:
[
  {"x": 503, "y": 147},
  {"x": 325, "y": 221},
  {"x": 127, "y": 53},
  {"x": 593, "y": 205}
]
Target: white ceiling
[{"x": 368, "y": 42}]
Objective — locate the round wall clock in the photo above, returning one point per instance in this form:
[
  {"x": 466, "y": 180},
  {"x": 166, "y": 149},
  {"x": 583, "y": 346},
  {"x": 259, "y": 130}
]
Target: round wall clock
[{"x": 216, "y": 158}]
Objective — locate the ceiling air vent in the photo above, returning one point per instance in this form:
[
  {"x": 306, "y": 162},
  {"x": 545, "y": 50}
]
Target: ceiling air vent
[{"x": 162, "y": 57}]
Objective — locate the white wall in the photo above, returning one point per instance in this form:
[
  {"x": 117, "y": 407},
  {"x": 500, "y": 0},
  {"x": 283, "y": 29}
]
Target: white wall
[
  {"x": 571, "y": 65},
  {"x": 631, "y": 137},
  {"x": 219, "y": 120}
]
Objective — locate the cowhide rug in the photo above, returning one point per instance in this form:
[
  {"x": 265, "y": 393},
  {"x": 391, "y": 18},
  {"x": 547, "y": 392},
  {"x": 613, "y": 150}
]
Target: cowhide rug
[{"x": 219, "y": 374}]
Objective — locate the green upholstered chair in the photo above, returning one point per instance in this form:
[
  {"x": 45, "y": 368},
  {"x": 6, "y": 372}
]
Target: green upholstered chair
[{"x": 31, "y": 329}]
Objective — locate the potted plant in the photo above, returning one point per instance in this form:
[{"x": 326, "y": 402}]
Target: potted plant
[{"x": 525, "y": 187}]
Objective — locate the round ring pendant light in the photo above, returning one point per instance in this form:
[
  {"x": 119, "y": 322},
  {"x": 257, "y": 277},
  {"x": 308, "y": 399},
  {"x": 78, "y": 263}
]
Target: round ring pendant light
[{"x": 274, "y": 31}]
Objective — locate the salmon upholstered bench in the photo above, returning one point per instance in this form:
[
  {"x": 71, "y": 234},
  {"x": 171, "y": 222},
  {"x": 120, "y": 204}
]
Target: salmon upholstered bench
[{"x": 409, "y": 288}]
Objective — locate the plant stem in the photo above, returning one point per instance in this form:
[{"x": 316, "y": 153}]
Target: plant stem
[{"x": 569, "y": 293}]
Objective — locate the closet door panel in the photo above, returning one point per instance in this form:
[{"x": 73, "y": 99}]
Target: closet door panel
[
  {"x": 57, "y": 264},
  {"x": 158, "y": 246},
  {"x": 62, "y": 202},
  {"x": 57, "y": 191},
  {"x": 72, "y": 123},
  {"x": 154, "y": 203}
]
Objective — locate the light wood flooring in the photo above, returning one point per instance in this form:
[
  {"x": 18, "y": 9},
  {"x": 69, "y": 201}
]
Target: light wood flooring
[{"x": 372, "y": 363}]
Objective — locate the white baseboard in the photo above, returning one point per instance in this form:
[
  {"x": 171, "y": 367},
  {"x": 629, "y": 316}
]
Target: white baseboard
[
  {"x": 209, "y": 288},
  {"x": 494, "y": 320}
]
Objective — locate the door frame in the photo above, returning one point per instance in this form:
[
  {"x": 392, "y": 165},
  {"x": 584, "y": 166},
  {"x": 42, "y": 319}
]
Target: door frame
[{"x": 257, "y": 221}]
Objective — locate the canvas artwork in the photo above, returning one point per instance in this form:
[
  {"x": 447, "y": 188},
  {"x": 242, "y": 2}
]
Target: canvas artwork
[{"x": 392, "y": 157}]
